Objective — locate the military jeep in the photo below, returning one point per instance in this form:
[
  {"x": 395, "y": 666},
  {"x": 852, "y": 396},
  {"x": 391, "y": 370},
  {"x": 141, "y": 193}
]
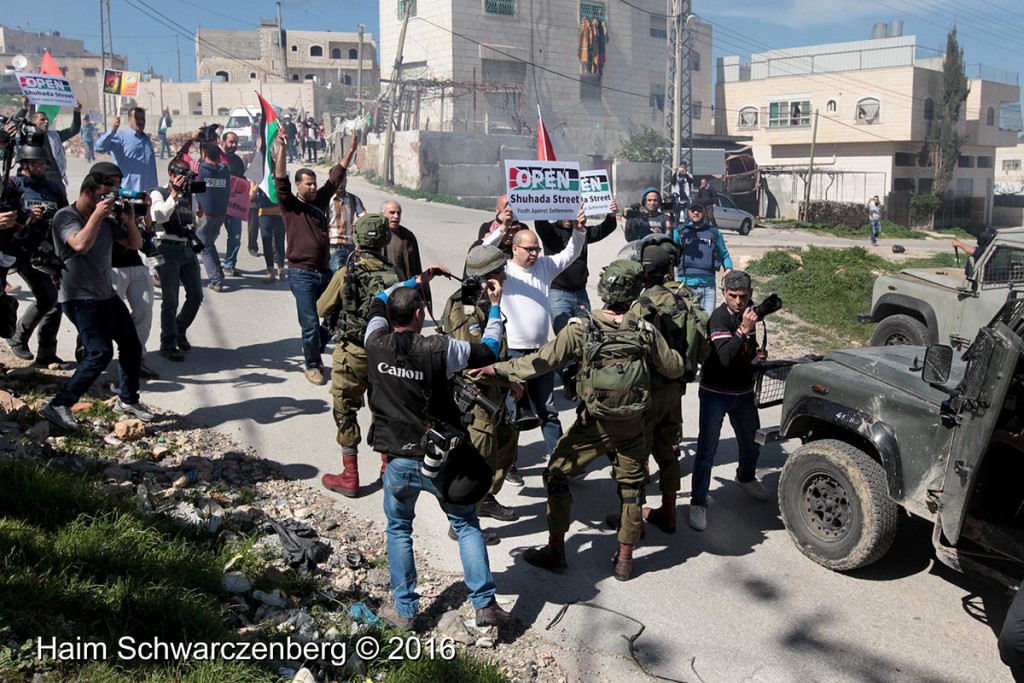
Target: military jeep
[
  {"x": 916, "y": 428},
  {"x": 920, "y": 306}
]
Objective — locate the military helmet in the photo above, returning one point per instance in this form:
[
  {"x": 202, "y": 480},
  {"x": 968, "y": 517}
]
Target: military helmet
[
  {"x": 31, "y": 153},
  {"x": 621, "y": 281},
  {"x": 652, "y": 252},
  {"x": 484, "y": 259},
  {"x": 372, "y": 231}
]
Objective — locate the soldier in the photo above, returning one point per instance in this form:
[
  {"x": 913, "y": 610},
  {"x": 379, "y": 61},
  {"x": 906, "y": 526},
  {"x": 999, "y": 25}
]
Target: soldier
[
  {"x": 492, "y": 435},
  {"x": 347, "y": 301},
  {"x": 615, "y": 352}
]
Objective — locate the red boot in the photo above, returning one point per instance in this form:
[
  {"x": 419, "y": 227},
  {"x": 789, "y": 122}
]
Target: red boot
[
  {"x": 346, "y": 483},
  {"x": 664, "y": 517}
]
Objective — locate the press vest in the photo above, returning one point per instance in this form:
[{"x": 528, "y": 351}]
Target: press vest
[
  {"x": 42, "y": 192},
  {"x": 181, "y": 220},
  {"x": 699, "y": 256}
]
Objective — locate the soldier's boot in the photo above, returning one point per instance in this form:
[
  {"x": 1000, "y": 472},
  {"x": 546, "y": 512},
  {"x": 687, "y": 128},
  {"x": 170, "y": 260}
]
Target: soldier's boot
[
  {"x": 623, "y": 561},
  {"x": 346, "y": 483},
  {"x": 664, "y": 517},
  {"x": 551, "y": 556}
]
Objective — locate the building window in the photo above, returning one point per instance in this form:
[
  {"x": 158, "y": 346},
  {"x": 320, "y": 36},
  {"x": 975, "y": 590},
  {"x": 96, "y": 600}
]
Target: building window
[
  {"x": 406, "y": 8},
  {"x": 965, "y": 161},
  {"x": 657, "y": 97},
  {"x": 929, "y": 109},
  {"x": 89, "y": 72},
  {"x": 295, "y": 48},
  {"x": 252, "y": 74},
  {"x": 985, "y": 162},
  {"x": 789, "y": 114},
  {"x": 868, "y": 110},
  {"x": 1011, "y": 165},
  {"x": 695, "y": 110},
  {"x": 694, "y": 60},
  {"x": 965, "y": 187},
  {"x": 659, "y": 27},
  {"x": 990, "y": 116},
  {"x": 223, "y": 111},
  {"x": 831, "y": 106},
  {"x": 503, "y": 7},
  {"x": 353, "y": 54},
  {"x": 905, "y": 159},
  {"x": 335, "y": 53},
  {"x": 748, "y": 117},
  {"x": 346, "y": 79},
  {"x": 310, "y": 77},
  {"x": 924, "y": 185},
  {"x": 904, "y": 184},
  {"x": 593, "y": 9},
  {"x": 295, "y": 77},
  {"x": 175, "y": 112},
  {"x": 224, "y": 75},
  {"x": 316, "y": 51}
]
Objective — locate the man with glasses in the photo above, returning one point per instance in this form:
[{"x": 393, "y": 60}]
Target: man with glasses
[
  {"x": 702, "y": 252},
  {"x": 132, "y": 151}
]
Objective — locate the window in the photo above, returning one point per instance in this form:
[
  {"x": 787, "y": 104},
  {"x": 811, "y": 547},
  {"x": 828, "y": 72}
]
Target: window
[
  {"x": 748, "y": 117},
  {"x": 965, "y": 161},
  {"x": 985, "y": 162},
  {"x": 868, "y": 110},
  {"x": 695, "y": 110},
  {"x": 657, "y": 97},
  {"x": 223, "y": 111},
  {"x": 593, "y": 9},
  {"x": 295, "y": 77},
  {"x": 295, "y": 48},
  {"x": 924, "y": 185},
  {"x": 406, "y": 8},
  {"x": 175, "y": 112},
  {"x": 353, "y": 53},
  {"x": 346, "y": 79},
  {"x": 335, "y": 53},
  {"x": 310, "y": 77},
  {"x": 725, "y": 202},
  {"x": 965, "y": 187},
  {"x": 89, "y": 72},
  {"x": 1006, "y": 264},
  {"x": 694, "y": 60},
  {"x": 224, "y": 75},
  {"x": 903, "y": 184},
  {"x": 990, "y": 116},
  {"x": 503, "y": 7},
  {"x": 252, "y": 74},
  {"x": 659, "y": 27},
  {"x": 789, "y": 114},
  {"x": 831, "y": 106},
  {"x": 316, "y": 51},
  {"x": 1011, "y": 165},
  {"x": 929, "y": 109},
  {"x": 905, "y": 159}
]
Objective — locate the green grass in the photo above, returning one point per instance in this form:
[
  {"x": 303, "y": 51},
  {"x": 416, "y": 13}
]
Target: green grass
[
  {"x": 404, "y": 191},
  {"x": 829, "y": 287},
  {"x": 889, "y": 230}
]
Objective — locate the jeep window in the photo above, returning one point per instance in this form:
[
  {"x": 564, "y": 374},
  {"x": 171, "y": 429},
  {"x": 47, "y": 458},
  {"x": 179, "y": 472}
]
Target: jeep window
[{"x": 1005, "y": 266}]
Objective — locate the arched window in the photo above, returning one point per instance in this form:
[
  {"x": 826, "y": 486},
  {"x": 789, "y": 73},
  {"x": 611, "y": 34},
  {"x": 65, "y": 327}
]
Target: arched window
[
  {"x": 335, "y": 53},
  {"x": 252, "y": 74},
  {"x": 316, "y": 51},
  {"x": 347, "y": 80},
  {"x": 831, "y": 106},
  {"x": 295, "y": 77},
  {"x": 868, "y": 110},
  {"x": 224, "y": 75},
  {"x": 990, "y": 116},
  {"x": 748, "y": 117},
  {"x": 929, "y": 109},
  {"x": 353, "y": 54}
]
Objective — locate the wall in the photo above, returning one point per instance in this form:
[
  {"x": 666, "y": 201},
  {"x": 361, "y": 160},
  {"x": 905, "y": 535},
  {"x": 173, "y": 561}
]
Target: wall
[{"x": 629, "y": 180}]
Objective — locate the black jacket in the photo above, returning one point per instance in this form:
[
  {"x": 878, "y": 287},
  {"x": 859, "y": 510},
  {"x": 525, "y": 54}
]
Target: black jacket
[
  {"x": 555, "y": 237},
  {"x": 728, "y": 368}
]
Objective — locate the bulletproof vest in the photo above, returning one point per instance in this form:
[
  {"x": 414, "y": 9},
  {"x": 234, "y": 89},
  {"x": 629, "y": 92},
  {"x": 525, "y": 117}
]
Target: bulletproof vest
[
  {"x": 51, "y": 197},
  {"x": 182, "y": 218},
  {"x": 697, "y": 255},
  {"x": 408, "y": 390},
  {"x": 656, "y": 220},
  {"x": 365, "y": 277},
  {"x": 614, "y": 379}
]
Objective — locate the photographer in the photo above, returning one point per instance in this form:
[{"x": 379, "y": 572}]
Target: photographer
[
  {"x": 702, "y": 252},
  {"x": 217, "y": 176},
  {"x": 41, "y": 198},
  {"x": 727, "y": 388},
  {"x": 176, "y": 220},
  {"x": 83, "y": 234},
  {"x": 418, "y": 426},
  {"x": 647, "y": 219},
  {"x": 132, "y": 151},
  {"x": 131, "y": 278}
]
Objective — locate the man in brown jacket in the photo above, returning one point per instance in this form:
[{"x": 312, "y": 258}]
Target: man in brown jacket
[{"x": 403, "y": 251}]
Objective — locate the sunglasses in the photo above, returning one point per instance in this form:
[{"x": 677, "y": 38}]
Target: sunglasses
[{"x": 532, "y": 250}]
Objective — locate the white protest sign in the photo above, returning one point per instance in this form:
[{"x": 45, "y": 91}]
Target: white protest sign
[
  {"x": 42, "y": 89},
  {"x": 543, "y": 190},
  {"x": 597, "y": 192}
]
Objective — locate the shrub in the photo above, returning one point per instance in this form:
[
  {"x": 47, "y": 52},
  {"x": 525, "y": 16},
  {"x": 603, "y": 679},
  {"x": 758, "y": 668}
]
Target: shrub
[
  {"x": 835, "y": 214},
  {"x": 923, "y": 207},
  {"x": 774, "y": 263}
]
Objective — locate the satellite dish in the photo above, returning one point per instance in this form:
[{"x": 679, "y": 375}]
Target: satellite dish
[{"x": 20, "y": 62}]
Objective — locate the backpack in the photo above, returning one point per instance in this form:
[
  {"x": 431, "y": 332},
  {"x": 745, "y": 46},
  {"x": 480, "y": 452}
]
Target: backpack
[
  {"x": 684, "y": 325},
  {"x": 363, "y": 281},
  {"x": 614, "y": 379}
]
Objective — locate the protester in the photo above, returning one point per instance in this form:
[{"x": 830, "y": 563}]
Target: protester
[
  {"x": 875, "y": 219},
  {"x": 132, "y": 151},
  {"x": 708, "y": 198},
  {"x": 345, "y": 208},
  {"x": 56, "y": 159},
  {"x": 89, "y": 138},
  {"x": 161, "y": 130},
  {"x": 229, "y": 144}
]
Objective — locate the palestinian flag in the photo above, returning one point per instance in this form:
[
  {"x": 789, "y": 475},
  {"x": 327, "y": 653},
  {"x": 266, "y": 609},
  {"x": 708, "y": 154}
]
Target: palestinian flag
[
  {"x": 49, "y": 67},
  {"x": 268, "y": 134}
]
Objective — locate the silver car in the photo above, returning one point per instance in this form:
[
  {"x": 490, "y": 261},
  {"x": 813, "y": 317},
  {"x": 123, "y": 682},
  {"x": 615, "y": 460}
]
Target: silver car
[{"x": 728, "y": 217}]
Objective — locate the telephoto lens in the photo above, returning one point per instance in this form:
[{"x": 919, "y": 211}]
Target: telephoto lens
[{"x": 432, "y": 464}]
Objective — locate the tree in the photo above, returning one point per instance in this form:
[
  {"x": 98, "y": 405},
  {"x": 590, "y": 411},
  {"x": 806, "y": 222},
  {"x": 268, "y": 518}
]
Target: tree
[
  {"x": 645, "y": 145},
  {"x": 944, "y": 141}
]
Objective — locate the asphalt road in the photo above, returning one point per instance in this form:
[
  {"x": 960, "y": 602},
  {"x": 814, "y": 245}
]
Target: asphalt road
[{"x": 739, "y": 600}]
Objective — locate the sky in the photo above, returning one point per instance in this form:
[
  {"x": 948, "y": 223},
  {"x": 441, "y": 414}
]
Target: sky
[{"x": 989, "y": 30}]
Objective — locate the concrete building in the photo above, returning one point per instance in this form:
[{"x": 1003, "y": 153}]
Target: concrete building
[
  {"x": 1010, "y": 169},
  {"x": 876, "y": 99},
  {"x": 271, "y": 55},
  {"x": 482, "y": 66}
]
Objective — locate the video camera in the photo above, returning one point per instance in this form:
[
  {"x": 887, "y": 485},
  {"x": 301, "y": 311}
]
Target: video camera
[
  {"x": 632, "y": 212},
  {"x": 192, "y": 184},
  {"x": 45, "y": 260},
  {"x": 670, "y": 203},
  {"x": 208, "y": 133},
  {"x": 768, "y": 306},
  {"x": 123, "y": 197}
]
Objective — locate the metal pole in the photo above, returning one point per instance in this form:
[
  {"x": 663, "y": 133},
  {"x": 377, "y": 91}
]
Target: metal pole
[
  {"x": 359, "y": 71},
  {"x": 810, "y": 169},
  {"x": 110, "y": 46},
  {"x": 677, "y": 85},
  {"x": 103, "y": 65},
  {"x": 177, "y": 48},
  {"x": 389, "y": 135},
  {"x": 280, "y": 44}
]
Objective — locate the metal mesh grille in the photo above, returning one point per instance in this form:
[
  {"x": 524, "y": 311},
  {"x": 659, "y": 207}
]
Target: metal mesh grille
[
  {"x": 505, "y": 7},
  {"x": 770, "y": 386},
  {"x": 593, "y": 10},
  {"x": 406, "y": 8},
  {"x": 1004, "y": 266}
]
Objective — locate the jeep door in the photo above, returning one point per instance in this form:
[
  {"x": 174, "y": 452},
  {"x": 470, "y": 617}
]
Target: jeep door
[
  {"x": 999, "y": 270},
  {"x": 978, "y": 401}
]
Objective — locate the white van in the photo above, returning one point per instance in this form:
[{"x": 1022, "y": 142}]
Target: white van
[{"x": 242, "y": 122}]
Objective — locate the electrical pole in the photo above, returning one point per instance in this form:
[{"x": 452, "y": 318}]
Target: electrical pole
[
  {"x": 177, "y": 47},
  {"x": 103, "y": 65},
  {"x": 280, "y": 44},
  {"x": 810, "y": 170},
  {"x": 110, "y": 46},
  {"x": 389, "y": 135},
  {"x": 359, "y": 71},
  {"x": 678, "y": 84}
]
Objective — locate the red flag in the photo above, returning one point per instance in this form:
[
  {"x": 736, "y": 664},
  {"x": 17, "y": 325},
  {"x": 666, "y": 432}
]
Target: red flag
[
  {"x": 49, "y": 67},
  {"x": 545, "y": 152}
]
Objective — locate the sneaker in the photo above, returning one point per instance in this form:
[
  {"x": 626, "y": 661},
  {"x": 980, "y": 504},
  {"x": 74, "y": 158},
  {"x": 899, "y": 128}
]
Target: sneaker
[
  {"x": 47, "y": 361},
  {"x": 270, "y": 277},
  {"x": 513, "y": 477},
  {"x": 490, "y": 538},
  {"x": 316, "y": 376},
  {"x": 490, "y": 507},
  {"x": 756, "y": 490},
  {"x": 136, "y": 409},
  {"x": 216, "y": 286},
  {"x": 254, "y": 252},
  {"x": 389, "y": 614},
  {"x": 173, "y": 355},
  {"x": 20, "y": 350},
  {"x": 146, "y": 372},
  {"x": 494, "y": 615},
  {"x": 698, "y": 519},
  {"x": 183, "y": 344},
  {"x": 233, "y": 272},
  {"x": 60, "y": 416}
]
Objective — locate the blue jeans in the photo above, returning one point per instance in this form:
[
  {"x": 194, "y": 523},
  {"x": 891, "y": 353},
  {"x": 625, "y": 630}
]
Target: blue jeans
[
  {"x": 234, "y": 226},
  {"x": 876, "y": 230},
  {"x": 165, "y": 148},
  {"x": 745, "y": 422},
  {"x": 101, "y": 324},
  {"x": 541, "y": 390},
  {"x": 706, "y": 292},
  {"x": 564, "y": 305},
  {"x": 403, "y": 482},
  {"x": 180, "y": 267},
  {"x": 208, "y": 235},
  {"x": 293, "y": 150},
  {"x": 307, "y": 286},
  {"x": 339, "y": 256}
]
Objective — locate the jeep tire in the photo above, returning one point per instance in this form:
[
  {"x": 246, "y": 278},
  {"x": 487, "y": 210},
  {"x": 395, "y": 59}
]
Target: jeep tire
[
  {"x": 900, "y": 330},
  {"x": 834, "y": 503}
]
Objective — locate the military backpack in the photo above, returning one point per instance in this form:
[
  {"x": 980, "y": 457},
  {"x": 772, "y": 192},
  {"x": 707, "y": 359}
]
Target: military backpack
[
  {"x": 614, "y": 379},
  {"x": 683, "y": 323},
  {"x": 364, "y": 279}
]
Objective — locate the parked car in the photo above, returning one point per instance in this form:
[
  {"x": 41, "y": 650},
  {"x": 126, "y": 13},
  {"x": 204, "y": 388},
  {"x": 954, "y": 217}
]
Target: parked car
[
  {"x": 729, "y": 217},
  {"x": 242, "y": 122}
]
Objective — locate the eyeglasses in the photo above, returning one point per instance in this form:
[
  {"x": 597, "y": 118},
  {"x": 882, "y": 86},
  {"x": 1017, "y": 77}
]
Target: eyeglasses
[
  {"x": 696, "y": 211},
  {"x": 532, "y": 250}
]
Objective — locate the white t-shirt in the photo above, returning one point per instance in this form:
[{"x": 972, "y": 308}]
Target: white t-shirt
[
  {"x": 874, "y": 211},
  {"x": 524, "y": 296}
]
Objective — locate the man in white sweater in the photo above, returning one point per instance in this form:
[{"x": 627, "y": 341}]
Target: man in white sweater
[{"x": 528, "y": 278}]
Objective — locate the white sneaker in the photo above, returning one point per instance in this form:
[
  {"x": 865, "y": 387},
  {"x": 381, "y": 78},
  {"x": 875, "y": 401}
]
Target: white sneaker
[
  {"x": 756, "y": 490},
  {"x": 136, "y": 409},
  {"x": 698, "y": 519}
]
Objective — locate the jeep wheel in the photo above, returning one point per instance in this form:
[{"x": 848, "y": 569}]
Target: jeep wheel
[
  {"x": 900, "y": 330},
  {"x": 746, "y": 226},
  {"x": 834, "y": 503}
]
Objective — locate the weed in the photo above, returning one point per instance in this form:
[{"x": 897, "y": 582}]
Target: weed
[{"x": 461, "y": 669}]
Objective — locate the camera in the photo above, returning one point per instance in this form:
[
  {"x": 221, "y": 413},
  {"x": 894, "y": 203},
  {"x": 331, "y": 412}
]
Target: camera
[
  {"x": 194, "y": 242},
  {"x": 472, "y": 287},
  {"x": 192, "y": 184},
  {"x": 768, "y": 306},
  {"x": 632, "y": 212},
  {"x": 670, "y": 203},
  {"x": 438, "y": 442},
  {"x": 208, "y": 133},
  {"x": 46, "y": 261}
]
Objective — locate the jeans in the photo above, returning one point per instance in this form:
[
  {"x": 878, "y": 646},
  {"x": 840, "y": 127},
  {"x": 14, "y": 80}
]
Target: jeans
[
  {"x": 135, "y": 288},
  {"x": 165, "y": 148},
  {"x": 307, "y": 286},
  {"x": 564, "y": 305},
  {"x": 100, "y": 324},
  {"x": 90, "y": 153},
  {"x": 43, "y": 313},
  {"x": 208, "y": 235},
  {"x": 876, "y": 230},
  {"x": 745, "y": 422},
  {"x": 706, "y": 291},
  {"x": 234, "y": 226},
  {"x": 252, "y": 230},
  {"x": 180, "y": 266},
  {"x": 541, "y": 390},
  {"x": 403, "y": 483},
  {"x": 272, "y": 233},
  {"x": 293, "y": 150},
  {"x": 339, "y": 255}
]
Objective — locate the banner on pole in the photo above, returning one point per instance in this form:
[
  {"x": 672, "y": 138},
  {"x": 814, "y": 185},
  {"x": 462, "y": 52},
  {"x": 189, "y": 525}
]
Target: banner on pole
[
  {"x": 543, "y": 190},
  {"x": 597, "y": 192},
  {"x": 121, "y": 83},
  {"x": 41, "y": 89}
]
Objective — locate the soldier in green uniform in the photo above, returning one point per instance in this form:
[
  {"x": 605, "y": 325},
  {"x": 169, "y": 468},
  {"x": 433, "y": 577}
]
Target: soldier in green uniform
[
  {"x": 616, "y": 354},
  {"x": 346, "y": 304},
  {"x": 493, "y": 435}
]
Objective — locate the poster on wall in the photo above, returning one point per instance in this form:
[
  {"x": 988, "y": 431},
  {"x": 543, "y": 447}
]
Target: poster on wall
[
  {"x": 543, "y": 190},
  {"x": 121, "y": 83}
]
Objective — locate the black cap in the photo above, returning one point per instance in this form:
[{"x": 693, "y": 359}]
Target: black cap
[
  {"x": 105, "y": 169},
  {"x": 467, "y": 476},
  {"x": 697, "y": 207}
]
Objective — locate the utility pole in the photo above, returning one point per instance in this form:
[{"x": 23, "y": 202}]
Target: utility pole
[
  {"x": 177, "y": 47},
  {"x": 280, "y": 44},
  {"x": 103, "y": 65},
  {"x": 389, "y": 135},
  {"x": 359, "y": 70},
  {"x": 110, "y": 46},
  {"x": 810, "y": 170},
  {"x": 678, "y": 84}
]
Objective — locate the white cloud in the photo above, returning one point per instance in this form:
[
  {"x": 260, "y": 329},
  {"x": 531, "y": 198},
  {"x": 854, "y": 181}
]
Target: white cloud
[{"x": 807, "y": 13}]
